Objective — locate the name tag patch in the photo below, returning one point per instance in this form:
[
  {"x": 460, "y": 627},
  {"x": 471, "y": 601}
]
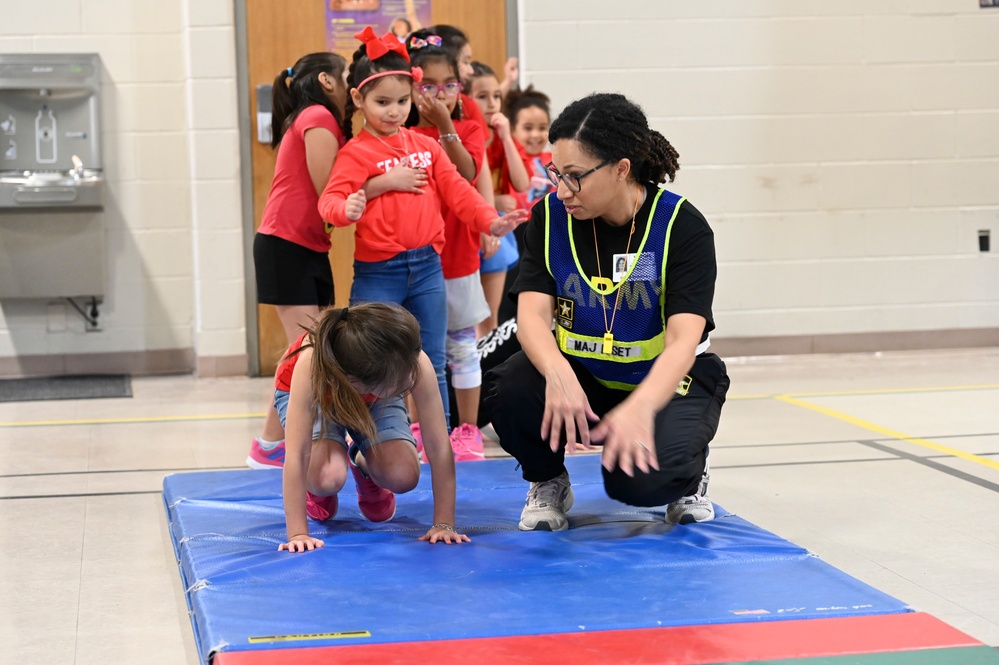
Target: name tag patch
[{"x": 587, "y": 346}]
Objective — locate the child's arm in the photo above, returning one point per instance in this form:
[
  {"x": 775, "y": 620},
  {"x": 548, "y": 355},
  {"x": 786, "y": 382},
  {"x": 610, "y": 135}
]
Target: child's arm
[
  {"x": 427, "y": 397},
  {"x": 346, "y": 179},
  {"x": 511, "y": 72},
  {"x": 470, "y": 208},
  {"x": 400, "y": 178},
  {"x": 320, "y": 154},
  {"x": 298, "y": 447},
  {"x": 484, "y": 182},
  {"x": 519, "y": 178}
]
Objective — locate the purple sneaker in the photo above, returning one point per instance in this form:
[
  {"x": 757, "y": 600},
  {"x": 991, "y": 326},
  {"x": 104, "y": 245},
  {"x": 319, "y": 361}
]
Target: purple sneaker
[{"x": 265, "y": 459}]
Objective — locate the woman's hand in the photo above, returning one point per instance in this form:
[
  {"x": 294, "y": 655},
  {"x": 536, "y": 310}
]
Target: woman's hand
[
  {"x": 404, "y": 178},
  {"x": 434, "y": 110},
  {"x": 354, "y": 207},
  {"x": 627, "y": 434},
  {"x": 442, "y": 534},
  {"x": 301, "y": 543},
  {"x": 566, "y": 405},
  {"x": 503, "y": 225}
]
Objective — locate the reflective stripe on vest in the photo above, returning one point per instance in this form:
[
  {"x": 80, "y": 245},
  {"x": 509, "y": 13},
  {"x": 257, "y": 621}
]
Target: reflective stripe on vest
[{"x": 639, "y": 326}]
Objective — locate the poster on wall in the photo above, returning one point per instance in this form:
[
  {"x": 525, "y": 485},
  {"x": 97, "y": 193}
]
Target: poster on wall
[{"x": 345, "y": 18}]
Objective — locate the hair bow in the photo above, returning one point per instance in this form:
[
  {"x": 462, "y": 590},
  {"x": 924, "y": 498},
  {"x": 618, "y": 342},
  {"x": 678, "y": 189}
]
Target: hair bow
[
  {"x": 379, "y": 46},
  {"x": 432, "y": 40}
]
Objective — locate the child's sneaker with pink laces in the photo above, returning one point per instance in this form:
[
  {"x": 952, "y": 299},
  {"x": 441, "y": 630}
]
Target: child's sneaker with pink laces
[
  {"x": 260, "y": 458},
  {"x": 321, "y": 508},
  {"x": 466, "y": 442},
  {"x": 418, "y": 435},
  {"x": 376, "y": 503}
]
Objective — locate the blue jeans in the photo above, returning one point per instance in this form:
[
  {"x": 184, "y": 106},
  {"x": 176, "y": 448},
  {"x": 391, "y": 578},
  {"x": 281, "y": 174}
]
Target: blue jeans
[
  {"x": 415, "y": 280},
  {"x": 391, "y": 422}
]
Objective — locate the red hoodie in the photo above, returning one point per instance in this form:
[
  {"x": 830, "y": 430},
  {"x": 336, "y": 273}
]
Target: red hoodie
[{"x": 398, "y": 221}]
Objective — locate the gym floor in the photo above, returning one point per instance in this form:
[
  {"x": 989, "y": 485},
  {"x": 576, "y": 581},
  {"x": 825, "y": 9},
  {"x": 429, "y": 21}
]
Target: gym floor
[{"x": 884, "y": 465}]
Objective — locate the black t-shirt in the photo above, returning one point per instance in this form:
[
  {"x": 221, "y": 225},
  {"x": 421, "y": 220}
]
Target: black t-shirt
[{"x": 690, "y": 265}]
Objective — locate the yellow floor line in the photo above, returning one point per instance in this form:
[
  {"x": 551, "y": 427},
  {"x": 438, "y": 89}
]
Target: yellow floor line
[
  {"x": 858, "y": 393},
  {"x": 897, "y": 391},
  {"x": 940, "y": 448},
  {"x": 119, "y": 421}
]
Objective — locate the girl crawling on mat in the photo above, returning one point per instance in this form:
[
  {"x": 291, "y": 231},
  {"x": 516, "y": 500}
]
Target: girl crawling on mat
[{"x": 348, "y": 376}]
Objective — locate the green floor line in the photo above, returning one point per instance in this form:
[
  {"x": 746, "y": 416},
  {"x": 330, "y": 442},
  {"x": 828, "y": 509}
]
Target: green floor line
[{"x": 982, "y": 655}]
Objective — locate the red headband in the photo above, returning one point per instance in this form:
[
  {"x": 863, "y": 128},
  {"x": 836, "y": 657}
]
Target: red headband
[
  {"x": 416, "y": 74},
  {"x": 376, "y": 47}
]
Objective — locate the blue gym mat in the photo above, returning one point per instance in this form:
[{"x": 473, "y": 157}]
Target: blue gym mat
[{"x": 617, "y": 567}]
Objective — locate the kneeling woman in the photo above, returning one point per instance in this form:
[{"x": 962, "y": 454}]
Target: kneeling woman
[{"x": 626, "y": 271}]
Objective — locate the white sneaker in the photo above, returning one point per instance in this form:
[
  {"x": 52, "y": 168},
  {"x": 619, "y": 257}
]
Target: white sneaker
[
  {"x": 547, "y": 504},
  {"x": 694, "y": 508}
]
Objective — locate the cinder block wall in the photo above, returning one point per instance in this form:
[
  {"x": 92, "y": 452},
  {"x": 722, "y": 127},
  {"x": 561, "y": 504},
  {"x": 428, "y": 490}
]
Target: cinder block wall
[
  {"x": 845, "y": 153},
  {"x": 174, "y": 300}
]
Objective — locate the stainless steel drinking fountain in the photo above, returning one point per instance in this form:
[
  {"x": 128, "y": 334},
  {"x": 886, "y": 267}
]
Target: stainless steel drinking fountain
[
  {"x": 50, "y": 155},
  {"x": 51, "y": 177}
]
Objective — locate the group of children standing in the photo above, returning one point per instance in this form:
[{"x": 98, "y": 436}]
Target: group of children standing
[{"x": 434, "y": 182}]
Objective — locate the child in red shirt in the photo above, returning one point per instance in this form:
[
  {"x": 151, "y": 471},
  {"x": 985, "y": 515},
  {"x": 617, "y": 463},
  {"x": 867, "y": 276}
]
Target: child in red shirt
[
  {"x": 509, "y": 177},
  {"x": 400, "y": 231},
  {"x": 326, "y": 389},
  {"x": 437, "y": 115},
  {"x": 529, "y": 118},
  {"x": 291, "y": 247}
]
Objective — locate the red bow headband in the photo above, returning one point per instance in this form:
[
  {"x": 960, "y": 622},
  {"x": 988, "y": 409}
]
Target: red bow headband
[{"x": 376, "y": 47}]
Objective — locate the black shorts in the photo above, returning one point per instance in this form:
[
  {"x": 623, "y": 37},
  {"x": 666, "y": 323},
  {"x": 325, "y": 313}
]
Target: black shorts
[{"x": 289, "y": 274}]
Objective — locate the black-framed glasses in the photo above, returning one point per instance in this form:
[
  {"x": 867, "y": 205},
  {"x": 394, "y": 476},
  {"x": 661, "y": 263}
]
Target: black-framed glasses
[
  {"x": 432, "y": 89},
  {"x": 571, "y": 180}
]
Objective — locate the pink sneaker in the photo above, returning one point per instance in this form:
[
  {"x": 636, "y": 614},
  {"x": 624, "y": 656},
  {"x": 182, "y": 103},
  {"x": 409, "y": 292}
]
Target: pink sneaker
[
  {"x": 466, "y": 442},
  {"x": 376, "y": 504},
  {"x": 265, "y": 459},
  {"x": 418, "y": 435},
  {"x": 321, "y": 508}
]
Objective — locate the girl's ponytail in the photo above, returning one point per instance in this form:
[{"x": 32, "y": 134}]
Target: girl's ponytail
[
  {"x": 336, "y": 398},
  {"x": 298, "y": 87},
  {"x": 610, "y": 126},
  {"x": 282, "y": 106},
  {"x": 352, "y": 80},
  {"x": 377, "y": 345},
  {"x": 662, "y": 160}
]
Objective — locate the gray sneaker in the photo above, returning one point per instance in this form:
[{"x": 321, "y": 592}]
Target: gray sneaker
[
  {"x": 547, "y": 504},
  {"x": 693, "y": 508}
]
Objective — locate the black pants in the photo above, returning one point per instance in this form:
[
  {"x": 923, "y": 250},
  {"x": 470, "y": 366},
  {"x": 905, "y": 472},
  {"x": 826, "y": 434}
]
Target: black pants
[{"x": 683, "y": 430}]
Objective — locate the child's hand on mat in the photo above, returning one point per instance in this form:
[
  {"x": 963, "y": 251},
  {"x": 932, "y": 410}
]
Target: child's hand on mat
[
  {"x": 301, "y": 544},
  {"x": 444, "y": 533},
  {"x": 508, "y": 222}
]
